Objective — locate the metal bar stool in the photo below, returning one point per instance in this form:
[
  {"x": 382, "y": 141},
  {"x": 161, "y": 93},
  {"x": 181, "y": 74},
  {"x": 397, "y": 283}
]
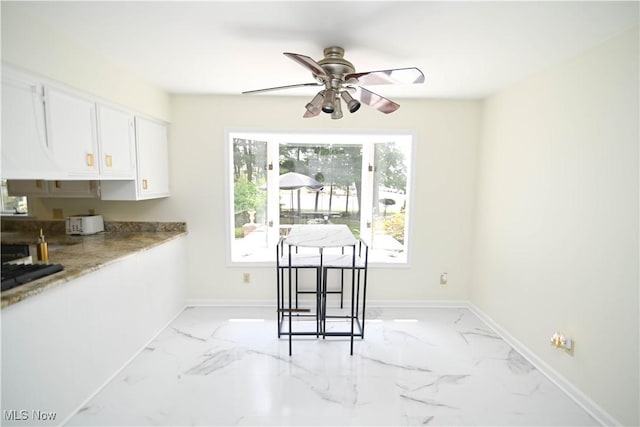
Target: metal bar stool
[
  {"x": 288, "y": 262},
  {"x": 357, "y": 263}
]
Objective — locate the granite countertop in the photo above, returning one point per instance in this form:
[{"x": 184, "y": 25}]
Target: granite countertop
[{"x": 80, "y": 255}]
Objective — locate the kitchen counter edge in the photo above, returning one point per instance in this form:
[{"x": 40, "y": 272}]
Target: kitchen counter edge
[{"x": 81, "y": 255}]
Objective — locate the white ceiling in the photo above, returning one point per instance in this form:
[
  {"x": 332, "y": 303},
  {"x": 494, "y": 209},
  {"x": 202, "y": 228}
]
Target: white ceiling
[{"x": 465, "y": 49}]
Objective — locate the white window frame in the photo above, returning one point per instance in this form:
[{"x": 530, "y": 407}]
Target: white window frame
[{"x": 274, "y": 138}]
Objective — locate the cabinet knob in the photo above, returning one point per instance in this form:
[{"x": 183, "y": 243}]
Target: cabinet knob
[
  {"x": 108, "y": 160},
  {"x": 90, "y": 160},
  {"x": 144, "y": 184}
]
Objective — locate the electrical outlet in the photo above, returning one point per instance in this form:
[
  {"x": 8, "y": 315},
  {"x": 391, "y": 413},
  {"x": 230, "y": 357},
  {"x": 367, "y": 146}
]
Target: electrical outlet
[
  {"x": 558, "y": 340},
  {"x": 57, "y": 213},
  {"x": 444, "y": 278},
  {"x": 246, "y": 278}
]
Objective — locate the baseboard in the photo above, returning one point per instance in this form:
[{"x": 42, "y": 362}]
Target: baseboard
[
  {"x": 214, "y": 302},
  {"x": 121, "y": 368},
  {"x": 416, "y": 303},
  {"x": 567, "y": 387},
  {"x": 200, "y": 302}
]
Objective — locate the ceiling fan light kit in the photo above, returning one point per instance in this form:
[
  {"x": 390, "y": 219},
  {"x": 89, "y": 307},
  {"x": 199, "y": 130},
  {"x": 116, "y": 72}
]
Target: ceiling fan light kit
[
  {"x": 337, "y": 109},
  {"x": 314, "y": 106},
  {"x": 352, "y": 104},
  {"x": 340, "y": 80},
  {"x": 329, "y": 101}
]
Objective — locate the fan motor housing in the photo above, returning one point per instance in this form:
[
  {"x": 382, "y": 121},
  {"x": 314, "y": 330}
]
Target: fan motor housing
[{"x": 334, "y": 63}]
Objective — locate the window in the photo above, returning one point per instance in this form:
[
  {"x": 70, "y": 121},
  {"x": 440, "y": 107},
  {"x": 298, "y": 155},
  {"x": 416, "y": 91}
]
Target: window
[
  {"x": 12, "y": 205},
  {"x": 276, "y": 180}
]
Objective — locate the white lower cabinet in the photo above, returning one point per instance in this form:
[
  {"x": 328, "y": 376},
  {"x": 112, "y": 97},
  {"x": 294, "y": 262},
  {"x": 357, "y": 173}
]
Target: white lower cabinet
[{"x": 59, "y": 347}]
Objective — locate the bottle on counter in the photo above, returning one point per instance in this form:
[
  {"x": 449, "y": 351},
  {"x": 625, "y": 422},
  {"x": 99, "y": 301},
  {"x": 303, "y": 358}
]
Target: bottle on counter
[{"x": 42, "y": 248}]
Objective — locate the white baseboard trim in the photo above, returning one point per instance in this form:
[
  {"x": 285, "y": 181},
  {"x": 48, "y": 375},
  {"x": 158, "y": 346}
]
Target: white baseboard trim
[
  {"x": 417, "y": 303},
  {"x": 214, "y": 302},
  {"x": 200, "y": 302},
  {"x": 121, "y": 368},
  {"x": 602, "y": 416}
]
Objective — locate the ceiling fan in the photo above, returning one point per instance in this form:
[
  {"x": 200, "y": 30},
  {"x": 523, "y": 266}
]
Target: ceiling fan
[{"x": 340, "y": 81}]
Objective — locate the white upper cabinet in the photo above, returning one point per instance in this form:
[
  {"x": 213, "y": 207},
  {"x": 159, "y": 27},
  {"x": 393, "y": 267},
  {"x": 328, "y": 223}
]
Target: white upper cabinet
[
  {"x": 116, "y": 142},
  {"x": 54, "y": 133},
  {"x": 25, "y": 152},
  {"x": 71, "y": 132},
  {"x": 153, "y": 158},
  {"x": 152, "y": 153}
]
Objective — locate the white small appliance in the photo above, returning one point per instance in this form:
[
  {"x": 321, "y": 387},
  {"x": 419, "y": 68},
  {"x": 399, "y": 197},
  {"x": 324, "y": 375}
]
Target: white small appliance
[{"x": 84, "y": 224}]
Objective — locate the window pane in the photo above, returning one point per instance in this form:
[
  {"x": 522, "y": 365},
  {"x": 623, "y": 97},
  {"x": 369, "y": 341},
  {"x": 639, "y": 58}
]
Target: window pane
[
  {"x": 320, "y": 183},
  {"x": 360, "y": 180},
  {"x": 12, "y": 205},
  {"x": 249, "y": 200},
  {"x": 390, "y": 201}
]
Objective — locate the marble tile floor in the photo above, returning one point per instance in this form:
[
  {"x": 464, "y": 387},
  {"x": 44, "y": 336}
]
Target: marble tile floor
[{"x": 435, "y": 366}]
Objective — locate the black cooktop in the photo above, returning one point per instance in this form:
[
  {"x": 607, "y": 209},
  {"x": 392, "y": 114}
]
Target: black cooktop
[{"x": 18, "y": 274}]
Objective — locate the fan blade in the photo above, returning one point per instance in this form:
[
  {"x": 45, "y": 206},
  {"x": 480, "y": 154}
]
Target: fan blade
[
  {"x": 385, "y": 77},
  {"x": 309, "y": 64},
  {"x": 250, "y": 92},
  {"x": 376, "y": 101}
]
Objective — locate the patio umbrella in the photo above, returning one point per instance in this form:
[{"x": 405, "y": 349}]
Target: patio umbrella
[
  {"x": 296, "y": 181},
  {"x": 387, "y": 202}
]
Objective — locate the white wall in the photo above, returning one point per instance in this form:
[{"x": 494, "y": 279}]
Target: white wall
[
  {"x": 447, "y": 133},
  {"x": 557, "y": 219},
  {"x": 30, "y": 44}
]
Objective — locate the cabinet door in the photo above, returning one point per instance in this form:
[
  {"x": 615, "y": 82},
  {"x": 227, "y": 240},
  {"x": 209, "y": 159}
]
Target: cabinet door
[
  {"x": 116, "y": 142},
  {"x": 71, "y": 131},
  {"x": 153, "y": 158},
  {"x": 25, "y": 153}
]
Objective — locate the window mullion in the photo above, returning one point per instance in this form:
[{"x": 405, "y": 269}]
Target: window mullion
[
  {"x": 366, "y": 210},
  {"x": 273, "y": 192}
]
